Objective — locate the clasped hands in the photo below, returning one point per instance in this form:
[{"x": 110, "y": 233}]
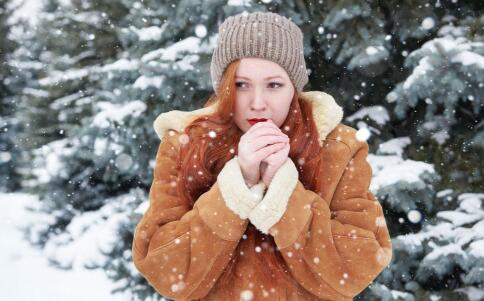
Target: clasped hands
[{"x": 262, "y": 150}]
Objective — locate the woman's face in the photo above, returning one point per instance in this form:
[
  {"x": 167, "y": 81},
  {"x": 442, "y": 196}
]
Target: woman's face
[{"x": 263, "y": 90}]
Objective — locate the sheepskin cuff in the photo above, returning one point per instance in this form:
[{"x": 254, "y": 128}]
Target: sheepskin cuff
[
  {"x": 273, "y": 205},
  {"x": 237, "y": 195}
]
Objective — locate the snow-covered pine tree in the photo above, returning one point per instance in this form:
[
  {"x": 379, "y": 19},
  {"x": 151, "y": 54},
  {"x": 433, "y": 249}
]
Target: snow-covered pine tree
[
  {"x": 9, "y": 155},
  {"x": 434, "y": 70},
  {"x": 369, "y": 55},
  {"x": 73, "y": 39},
  {"x": 446, "y": 83}
]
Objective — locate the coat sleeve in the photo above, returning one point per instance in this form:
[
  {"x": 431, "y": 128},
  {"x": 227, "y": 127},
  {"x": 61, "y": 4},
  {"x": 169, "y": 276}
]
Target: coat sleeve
[
  {"x": 180, "y": 251},
  {"x": 333, "y": 249}
]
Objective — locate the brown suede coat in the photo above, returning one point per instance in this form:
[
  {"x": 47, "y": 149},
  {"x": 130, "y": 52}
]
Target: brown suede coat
[{"x": 334, "y": 240}]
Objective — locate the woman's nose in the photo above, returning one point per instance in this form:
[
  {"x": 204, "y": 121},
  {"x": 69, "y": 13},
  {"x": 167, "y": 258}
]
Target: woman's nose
[{"x": 258, "y": 101}]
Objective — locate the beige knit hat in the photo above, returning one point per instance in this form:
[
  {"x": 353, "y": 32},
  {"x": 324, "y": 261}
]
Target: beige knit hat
[{"x": 260, "y": 34}]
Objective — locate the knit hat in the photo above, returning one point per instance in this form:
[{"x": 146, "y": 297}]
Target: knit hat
[{"x": 260, "y": 34}]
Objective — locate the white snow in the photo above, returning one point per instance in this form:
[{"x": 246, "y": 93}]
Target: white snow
[
  {"x": 35, "y": 92},
  {"x": 414, "y": 216},
  {"x": 122, "y": 65},
  {"x": 25, "y": 272},
  {"x": 428, "y": 23},
  {"x": 190, "y": 45},
  {"x": 460, "y": 218},
  {"x": 152, "y": 33},
  {"x": 186, "y": 63},
  {"x": 391, "y": 97},
  {"x": 421, "y": 69},
  {"x": 246, "y": 295},
  {"x": 47, "y": 162},
  {"x": 239, "y": 2},
  {"x": 398, "y": 295},
  {"x": 66, "y": 100},
  {"x": 377, "y": 113},
  {"x": 372, "y": 50},
  {"x": 180, "y": 56},
  {"x": 116, "y": 112},
  {"x": 443, "y": 251},
  {"x": 27, "y": 10},
  {"x": 460, "y": 50},
  {"x": 59, "y": 76},
  {"x": 144, "y": 82},
  {"x": 90, "y": 232},
  {"x": 469, "y": 58},
  {"x": 93, "y": 18},
  {"x": 463, "y": 241},
  {"x": 388, "y": 170},
  {"x": 200, "y": 30},
  {"x": 469, "y": 210},
  {"x": 394, "y": 146},
  {"x": 363, "y": 134}
]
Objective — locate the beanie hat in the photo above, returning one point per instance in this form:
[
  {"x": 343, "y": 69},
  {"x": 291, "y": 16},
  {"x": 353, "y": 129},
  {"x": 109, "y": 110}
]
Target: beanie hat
[{"x": 260, "y": 34}]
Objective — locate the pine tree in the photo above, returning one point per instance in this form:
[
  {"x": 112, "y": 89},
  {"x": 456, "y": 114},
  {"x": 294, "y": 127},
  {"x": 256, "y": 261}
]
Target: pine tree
[
  {"x": 75, "y": 40},
  {"x": 9, "y": 176},
  {"x": 408, "y": 74}
]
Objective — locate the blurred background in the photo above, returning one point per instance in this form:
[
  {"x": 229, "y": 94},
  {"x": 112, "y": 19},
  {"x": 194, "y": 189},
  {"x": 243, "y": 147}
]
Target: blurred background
[{"x": 81, "y": 82}]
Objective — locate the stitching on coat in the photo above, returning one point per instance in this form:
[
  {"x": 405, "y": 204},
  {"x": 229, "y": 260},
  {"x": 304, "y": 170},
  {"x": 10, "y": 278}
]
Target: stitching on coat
[
  {"x": 352, "y": 237},
  {"x": 155, "y": 251},
  {"x": 341, "y": 141},
  {"x": 380, "y": 214},
  {"x": 305, "y": 225}
]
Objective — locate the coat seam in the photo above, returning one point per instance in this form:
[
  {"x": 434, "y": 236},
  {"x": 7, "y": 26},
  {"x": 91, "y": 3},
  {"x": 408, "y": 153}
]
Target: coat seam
[
  {"x": 341, "y": 141},
  {"x": 157, "y": 249},
  {"x": 304, "y": 227},
  {"x": 352, "y": 237},
  {"x": 195, "y": 287},
  {"x": 379, "y": 214}
]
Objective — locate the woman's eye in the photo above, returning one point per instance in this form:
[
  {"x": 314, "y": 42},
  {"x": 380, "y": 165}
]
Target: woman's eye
[
  {"x": 280, "y": 85},
  {"x": 237, "y": 84}
]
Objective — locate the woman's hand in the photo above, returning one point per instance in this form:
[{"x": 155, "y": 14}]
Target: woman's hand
[
  {"x": 260, "y": 141},
  {"x": 271, "y": 164}
]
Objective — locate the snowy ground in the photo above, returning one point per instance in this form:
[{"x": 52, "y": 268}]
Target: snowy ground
[{"x": 25, "y": 273}]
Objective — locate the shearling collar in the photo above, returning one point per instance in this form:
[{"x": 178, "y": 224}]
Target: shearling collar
[{"x": 327, "y": 115}]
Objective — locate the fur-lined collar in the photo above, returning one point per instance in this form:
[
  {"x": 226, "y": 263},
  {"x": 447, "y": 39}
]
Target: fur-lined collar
[{"x": 327, "y": 115}]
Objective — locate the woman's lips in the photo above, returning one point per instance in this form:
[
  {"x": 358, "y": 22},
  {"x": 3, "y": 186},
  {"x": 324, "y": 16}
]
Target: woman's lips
[{"x": 254, "y": 121}]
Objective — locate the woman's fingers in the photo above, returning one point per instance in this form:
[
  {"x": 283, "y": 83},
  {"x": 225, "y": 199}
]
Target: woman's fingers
[
  {"x": 262, "y": 129},
  {"x": 270, "y": 149},
  {"x": 264, "y": 141}
]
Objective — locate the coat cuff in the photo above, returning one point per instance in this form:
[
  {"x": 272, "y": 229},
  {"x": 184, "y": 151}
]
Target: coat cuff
[
  {"x": 273, "y": 205},
  {"x": 237, "y": 195}
]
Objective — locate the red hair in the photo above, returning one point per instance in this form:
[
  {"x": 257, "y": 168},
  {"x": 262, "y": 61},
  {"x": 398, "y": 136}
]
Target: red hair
[{"x": 204, "y": 156}]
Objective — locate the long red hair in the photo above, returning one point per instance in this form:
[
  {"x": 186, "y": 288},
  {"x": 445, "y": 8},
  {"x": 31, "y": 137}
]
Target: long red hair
[{"x": 201, "y": 160}]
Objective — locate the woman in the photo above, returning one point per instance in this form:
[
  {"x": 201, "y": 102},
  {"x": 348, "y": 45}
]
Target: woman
[{"x": 276, "y": 210}]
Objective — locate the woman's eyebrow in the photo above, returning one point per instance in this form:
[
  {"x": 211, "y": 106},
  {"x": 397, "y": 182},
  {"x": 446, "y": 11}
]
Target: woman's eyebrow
[{"x": 265, "y": 78}]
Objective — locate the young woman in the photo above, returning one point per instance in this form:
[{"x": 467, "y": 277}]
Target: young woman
[{"x": 276, "y": 208}]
